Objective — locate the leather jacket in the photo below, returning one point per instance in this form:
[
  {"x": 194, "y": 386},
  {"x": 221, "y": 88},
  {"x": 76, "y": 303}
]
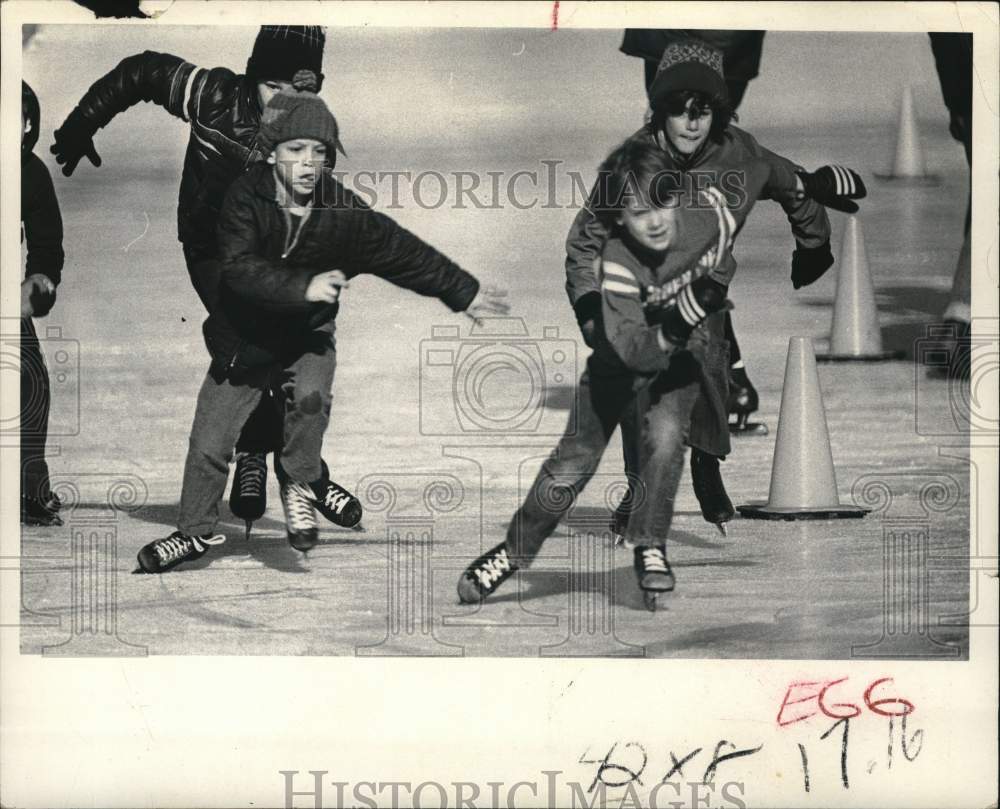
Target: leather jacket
[{"x": 223, "y": 110}]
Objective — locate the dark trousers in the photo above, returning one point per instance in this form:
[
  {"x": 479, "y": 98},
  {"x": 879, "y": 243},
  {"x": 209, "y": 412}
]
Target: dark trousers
[
  {"x": 262, "y": 432},
  {"x": 303, "y": 392},
  {"x": 656, "y": 414},
  {"x": 35, "y": 399}
]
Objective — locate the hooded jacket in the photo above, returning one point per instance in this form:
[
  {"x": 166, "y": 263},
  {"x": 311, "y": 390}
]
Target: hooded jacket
[
  {"x": 263, "y": 316},
  {"x": 223, "y": 110}
]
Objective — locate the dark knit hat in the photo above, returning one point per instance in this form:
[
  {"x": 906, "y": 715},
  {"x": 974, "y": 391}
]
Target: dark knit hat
[
  {"x": 688, "y": 64},
  {"x": 298, "y": 113},
  {"x": 280, "y": 51}
]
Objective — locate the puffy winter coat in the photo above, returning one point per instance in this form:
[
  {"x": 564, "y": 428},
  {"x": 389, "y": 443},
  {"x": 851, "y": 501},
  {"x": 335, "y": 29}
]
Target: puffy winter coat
[{"x": 263, "y": 315}]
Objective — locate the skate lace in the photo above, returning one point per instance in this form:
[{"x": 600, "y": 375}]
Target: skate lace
[
  {"x": 493, "y": 567},
  {"x": 253, "y": 474},
  {"x": 298, "y": 507},
  {"x": 176, "y": 547},
  {"x": 654, "y": 560},
  {"x": 336, "y": 498}
]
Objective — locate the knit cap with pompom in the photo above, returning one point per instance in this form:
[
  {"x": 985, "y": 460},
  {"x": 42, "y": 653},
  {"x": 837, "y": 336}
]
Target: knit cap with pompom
[{"x": 297, "y": 112}]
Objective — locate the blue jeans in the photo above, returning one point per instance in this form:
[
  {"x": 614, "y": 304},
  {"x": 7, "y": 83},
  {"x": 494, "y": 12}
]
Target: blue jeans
[
  {"x": 656, "y": 413},
  {"x": 304, "y": 392}
]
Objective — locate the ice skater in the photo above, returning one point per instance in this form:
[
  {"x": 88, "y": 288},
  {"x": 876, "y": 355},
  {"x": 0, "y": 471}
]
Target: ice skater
[
  {"x": 42, "y": 233},
  {"x": 290, "y": 239},
  {"x": 663, "y": 276},
  {"x": 691, "y": 124},
  {"x": 223, "y": 110},
  {"x": 741, "y": 52}
]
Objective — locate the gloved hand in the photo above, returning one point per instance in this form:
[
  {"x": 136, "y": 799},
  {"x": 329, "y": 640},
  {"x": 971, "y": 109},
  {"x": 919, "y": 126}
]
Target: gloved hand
[
  {"x": 489, "y": 302},
  {"x": 588, "y": 316},
  {"x": 699, "y": 299},
  {"x": 74, "y": 140},
  {"x": 834, "y": 187},
  {"x": 38, "y": 295},
  {"x": 809, "y": 264}
]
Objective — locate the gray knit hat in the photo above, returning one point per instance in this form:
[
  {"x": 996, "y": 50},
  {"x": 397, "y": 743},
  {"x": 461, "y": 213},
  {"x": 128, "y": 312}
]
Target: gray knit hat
[
  {"x": 689, "y": 64},
  {"x": 298, "y": 113}
]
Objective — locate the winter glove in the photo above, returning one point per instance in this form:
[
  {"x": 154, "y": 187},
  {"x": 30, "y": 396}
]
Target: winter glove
[
  {"x": 834, "y": 187},
  {"x": 38, "y": 294},
  {"x": 699, "y": 299},
  {"x": 489, "y": 302},
  {"x": 588, "y": 316},
  {"x": 809, "y": 264},
  {"x": 74, "y": 140}
]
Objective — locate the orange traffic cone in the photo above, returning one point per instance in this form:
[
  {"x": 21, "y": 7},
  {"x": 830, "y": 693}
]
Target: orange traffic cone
[
  {"x": 908, "y": 165},
  {"x": 803, "y": 483},
  {"x": 855, "y": 334}
]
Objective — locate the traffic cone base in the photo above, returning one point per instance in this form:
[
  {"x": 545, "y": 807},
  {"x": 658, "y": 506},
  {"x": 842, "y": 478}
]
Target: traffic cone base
[
  {"x": 762, "y": 511},
  {"x": 924, "y": 181},
  {"x": 882, "y": 356}
]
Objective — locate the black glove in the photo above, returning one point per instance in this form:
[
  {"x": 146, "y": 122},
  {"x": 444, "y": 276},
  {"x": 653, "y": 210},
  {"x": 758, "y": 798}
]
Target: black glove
[
  {"x": 38, "y": 296},
  {"x": 834, "y": 187},
  {"x": 74, "y": 140},
  {"x": 588, "y": 316},
  {"x": 699, "y": 299},
  {"x": 809, "y": 264}
]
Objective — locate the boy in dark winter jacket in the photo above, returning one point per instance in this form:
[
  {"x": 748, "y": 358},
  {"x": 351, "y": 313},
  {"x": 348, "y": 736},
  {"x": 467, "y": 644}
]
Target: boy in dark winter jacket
[
  {"x": 223, "y": 110},
  {"x": 663, "y": 277},
  {"x": 290, "y": 239},
  {"x": 691, "y": 125},
  {"x": 42, "y": 232}
]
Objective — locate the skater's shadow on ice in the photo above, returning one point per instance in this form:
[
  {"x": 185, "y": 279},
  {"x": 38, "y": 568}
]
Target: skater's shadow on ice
[
  {"x": 912, "y": 310},
  {"x": 267, "y": 545},
  {"x": 536, "y": 584}
]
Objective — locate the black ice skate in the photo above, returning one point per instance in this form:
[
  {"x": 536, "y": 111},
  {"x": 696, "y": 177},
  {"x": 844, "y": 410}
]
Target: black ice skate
[
  {"x": 653, "y": 572},
  {"x": 300, "y": 516},
  {"x": 248, "y": 497},
  {"x": 716, "y": 507},
  {"x": 40, "y": 512},
  {"x": 331, "y": 500},
  {"x": 161, "y": 555},
  {"x": 485, "y": 575},
  {"x": 743, "y": 401}
]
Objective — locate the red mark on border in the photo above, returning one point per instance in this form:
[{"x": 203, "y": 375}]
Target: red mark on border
[
  {"x": 555, "y": 15},
  {"x": 805, "y": 699}
]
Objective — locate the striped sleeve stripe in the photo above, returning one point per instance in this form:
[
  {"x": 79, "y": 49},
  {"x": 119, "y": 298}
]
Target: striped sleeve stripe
[
  {"x": 187, "y": 92},
  {"x": 689, "y": 307},
  {"x": 620, "y": 272},
  {"x": 727, "y": 221},
  {"x": 620, "y": 288},
  {"x": 845, "y": 180}
]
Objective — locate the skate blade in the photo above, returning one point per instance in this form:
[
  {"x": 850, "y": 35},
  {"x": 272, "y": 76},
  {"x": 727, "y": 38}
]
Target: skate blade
[
  {"x": 249, "y": 529},
  {"x": 722, "y": 528}
]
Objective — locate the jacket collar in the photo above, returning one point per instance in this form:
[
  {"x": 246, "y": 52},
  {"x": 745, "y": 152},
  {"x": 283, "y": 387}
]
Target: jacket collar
[{"x": 327, "y": 195}]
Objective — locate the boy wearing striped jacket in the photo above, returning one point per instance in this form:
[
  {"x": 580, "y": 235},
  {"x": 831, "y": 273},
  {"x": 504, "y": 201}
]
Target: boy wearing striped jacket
[{"x": 663, "y": 275}]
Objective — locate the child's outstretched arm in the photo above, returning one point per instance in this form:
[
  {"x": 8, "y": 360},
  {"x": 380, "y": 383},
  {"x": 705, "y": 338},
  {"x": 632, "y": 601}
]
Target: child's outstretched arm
[
  {"x": 165, "y": 80},
  {"x": 389, "y": 251}
]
